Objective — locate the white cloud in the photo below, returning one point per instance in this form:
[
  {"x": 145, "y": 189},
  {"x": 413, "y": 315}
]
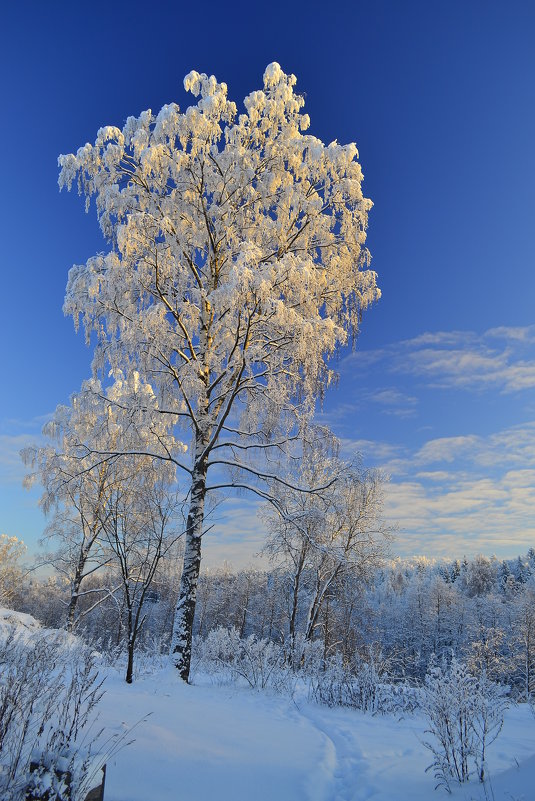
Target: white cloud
[
  {"x": 434, "y": 475},
  {"x": 237, "y": 535},
  {"x": 14, "y": 436},
  {"x": 465, "y": 494},
  {"x": 446, "y": 449},
  {"x": 378, "y": 452},
  {"x": 12, "y": 468},
  {"x": 501, "y": 358},
  {"x": 518, "y": 333},
  {"x": 388, "y": 400},
  {"x": 438, "y": 338},
  {"x": 394, "y": 402}
]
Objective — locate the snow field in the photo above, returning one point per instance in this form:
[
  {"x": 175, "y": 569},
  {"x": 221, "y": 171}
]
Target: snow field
[
  {"x": 214, "y": 743},
  {"x": 208, "y": 742}
]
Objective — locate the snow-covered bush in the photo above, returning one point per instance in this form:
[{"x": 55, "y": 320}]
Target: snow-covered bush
[
  {"x": 307, "y": 655},
  {"x": 465, "y": 714},
  {"x": 150, "y": 657},
  {"x": 334, "y": 685},
  {"x": 448, "y": 706},
  {"x": 490, "y": 705},
  {"x": 249, "y": 658},
  {"x": 398, "y": 699},
  {"x": 49, "y": 689},
  {"x": 361, "y": 683},
  {"x": 262, "y": 663},
  {"x": 343, "y": 684}
]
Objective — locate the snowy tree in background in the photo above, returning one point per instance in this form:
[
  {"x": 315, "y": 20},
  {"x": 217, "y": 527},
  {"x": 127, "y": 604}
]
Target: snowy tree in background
[
  {"x": 236, "y": 267},
  {"x": 80, "y": 491},
  {"x": 524, "y": 640},
  {"x": 322, "y": 536},
  {"x": 11, "y": 552},
  {"x": 141, "y": 529}
]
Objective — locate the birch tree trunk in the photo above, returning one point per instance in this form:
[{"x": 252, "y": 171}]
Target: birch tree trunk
[
  {"x": 73, "y": 602},
  {"x": 185, "y": 608},
  {"x": 77, "y": 582},
  {"x": 295, "y": 602}
]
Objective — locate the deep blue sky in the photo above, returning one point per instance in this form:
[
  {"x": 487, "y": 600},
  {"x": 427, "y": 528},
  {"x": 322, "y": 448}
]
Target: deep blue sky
[{"x": 439, "y": 97}]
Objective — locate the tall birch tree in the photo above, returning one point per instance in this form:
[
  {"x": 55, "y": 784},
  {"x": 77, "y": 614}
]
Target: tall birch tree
[{"x": 236, "y": 267}]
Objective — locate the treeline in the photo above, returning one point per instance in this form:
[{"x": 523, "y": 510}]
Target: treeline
[
  {"x": 411, "y": 610},
  {"x": 400, "y": 617}
]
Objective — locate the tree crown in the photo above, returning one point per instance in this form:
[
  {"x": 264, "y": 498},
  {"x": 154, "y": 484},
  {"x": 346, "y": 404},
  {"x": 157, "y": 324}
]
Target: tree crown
[{"x": 237, "y": 263}]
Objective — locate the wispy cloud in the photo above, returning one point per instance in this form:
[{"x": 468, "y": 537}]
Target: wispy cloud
[
  {"x": 464, "y": 494},
  {"x": 517, "y": 333},
  {"x": 31, "y": 425},
  {"x": 237, "y": 535},
  {"x": 387, "y": 400},
  {"x": 514, "y": 446},
  {"x": 378, "y": 452},
  {"x": 12, "y": 469},
  {"x": 445, "y": 449},
  {"x": 16, "y": 434},
  {"x": 501, "y": 358},
  {"x": 393, "y": 401},
  {"x": 493, "y": 515}
]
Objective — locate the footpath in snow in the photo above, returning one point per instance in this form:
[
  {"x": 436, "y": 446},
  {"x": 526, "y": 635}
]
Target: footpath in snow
[{"x": 220, "y": 743}]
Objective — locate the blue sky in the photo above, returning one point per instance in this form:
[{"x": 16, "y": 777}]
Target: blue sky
[{"x": 439, "y": 97}]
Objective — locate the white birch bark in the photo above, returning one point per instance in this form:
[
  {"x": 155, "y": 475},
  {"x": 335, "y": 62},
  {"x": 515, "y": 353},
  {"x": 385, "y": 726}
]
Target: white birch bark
[{"x": 185, "y": 608}]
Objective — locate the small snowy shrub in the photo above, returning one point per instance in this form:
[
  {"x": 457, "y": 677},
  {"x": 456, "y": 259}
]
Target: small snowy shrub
[
  {"x": 250, "y": 658},
  {"x": 448, "y": 706},
  {"x": 359, "y": 684},
  {"x": 334, "y": 685},
  {"x": 149, "y": 657},
  {"x": 310, "y": 655},
  {"x": 465, "y": 715},
  {"x": 368, "y": 683},
  {"x": 490, "y": 705},
  {"x": 49, "y": 689},
  {"x": 343, "y": 684},
  {"x": 398, "y": 699}
]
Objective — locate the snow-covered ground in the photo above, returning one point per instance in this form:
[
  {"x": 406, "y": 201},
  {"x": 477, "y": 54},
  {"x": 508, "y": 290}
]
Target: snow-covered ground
[
  {"x": 207, "y": 742},
  {"x": 214, "y": 743}
]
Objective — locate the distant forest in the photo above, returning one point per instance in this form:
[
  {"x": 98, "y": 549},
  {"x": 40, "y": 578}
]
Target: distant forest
[{"x": 397, "y": 619}]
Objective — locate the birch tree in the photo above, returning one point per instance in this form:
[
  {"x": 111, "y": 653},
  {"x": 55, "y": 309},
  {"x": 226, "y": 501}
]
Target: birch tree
[
  {"x": 237, "y": 266},
  {"x": 328, "y": 534},
  {"x": 141, "y": 528},
  {"x": 74, "y": 499},
  {"x": 11, "y": 574},
  {"x": 80, "y": 491}
]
